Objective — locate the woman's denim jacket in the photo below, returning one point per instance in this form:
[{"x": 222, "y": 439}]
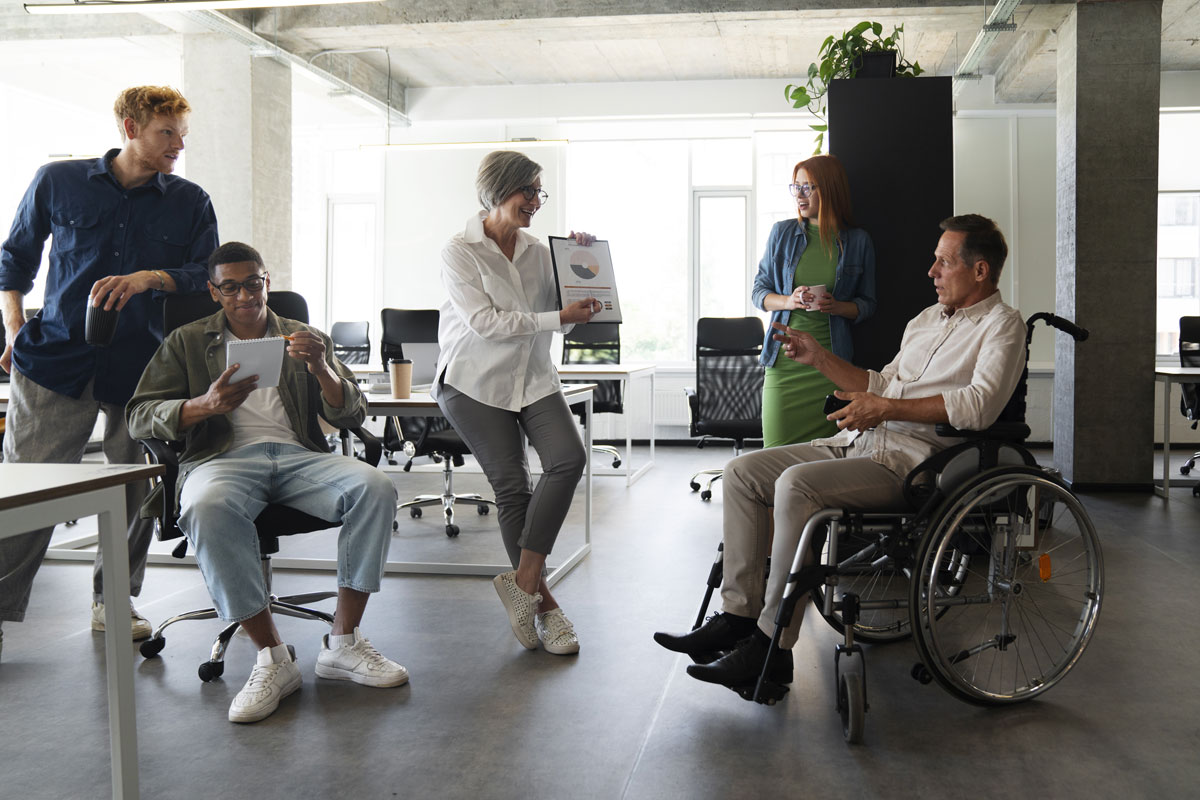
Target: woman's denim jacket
[{"x": 854, "y": 281}]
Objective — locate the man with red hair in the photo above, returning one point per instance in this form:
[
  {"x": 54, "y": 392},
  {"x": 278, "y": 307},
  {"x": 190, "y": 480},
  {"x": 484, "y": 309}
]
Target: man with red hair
[{"x": 124, "y": 230}]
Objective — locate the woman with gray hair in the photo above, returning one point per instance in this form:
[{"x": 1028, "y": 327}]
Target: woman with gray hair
[{"x": 495, "y": 381}]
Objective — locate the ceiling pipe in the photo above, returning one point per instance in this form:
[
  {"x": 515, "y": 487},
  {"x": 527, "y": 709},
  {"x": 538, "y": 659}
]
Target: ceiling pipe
[{"x": 999, "y": 21}]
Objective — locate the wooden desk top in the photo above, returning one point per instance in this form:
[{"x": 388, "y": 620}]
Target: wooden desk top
[
  {"x": 422, "y": 401},
  {"x": 1178, "y": 372},
  {"x": 23, "y": 484}
]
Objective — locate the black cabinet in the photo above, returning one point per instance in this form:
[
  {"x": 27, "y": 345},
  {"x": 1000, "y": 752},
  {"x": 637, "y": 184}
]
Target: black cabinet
[{"x": 896, "y": 140}]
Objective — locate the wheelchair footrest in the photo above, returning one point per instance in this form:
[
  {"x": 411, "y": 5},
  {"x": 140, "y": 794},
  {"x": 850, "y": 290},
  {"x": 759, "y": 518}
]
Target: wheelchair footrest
[{"x": 768, "y": 694}]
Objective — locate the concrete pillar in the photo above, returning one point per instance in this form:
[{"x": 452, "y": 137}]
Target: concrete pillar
[
  {"x": 240, "y": 145},
  {"x": 1108, "y": 86}
]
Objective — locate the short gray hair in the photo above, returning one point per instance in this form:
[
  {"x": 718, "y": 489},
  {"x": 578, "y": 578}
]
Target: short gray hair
[{"x": 501, "y": 173}]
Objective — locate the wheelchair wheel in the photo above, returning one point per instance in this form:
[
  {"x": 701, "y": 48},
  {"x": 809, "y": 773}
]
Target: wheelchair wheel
[
  {"x": 1007, "y": 589},
  {"x": 867, "y": 569}
]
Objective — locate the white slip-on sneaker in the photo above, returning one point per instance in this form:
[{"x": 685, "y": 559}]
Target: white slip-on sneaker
[
  {"x": 269, "y": 682},
  {"x": 557, "y": 633},
  {"x": 140, "y": 626},
  {"x": 521, "y": 608},
  {"x": 359, "y": 662}
]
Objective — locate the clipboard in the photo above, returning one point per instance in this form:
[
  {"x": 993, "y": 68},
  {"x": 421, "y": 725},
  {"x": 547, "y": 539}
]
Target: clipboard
[
  {"x": 582, "y": 272},
  {"x": 261, "y": 357}
]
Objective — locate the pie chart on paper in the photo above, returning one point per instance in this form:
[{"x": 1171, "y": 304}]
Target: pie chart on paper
[{"x": 584, "y": 264}]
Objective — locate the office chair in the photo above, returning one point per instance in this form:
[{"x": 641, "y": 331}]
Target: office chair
[
  {"x": 727, "y": 400},
  {"x": 423, "y": 436},
  {"x": 597, "y": 343},
  {"x": 1189, "y": 403},
  {"x": 351, "y": 344},
  {"x": 276, "y": 520}
]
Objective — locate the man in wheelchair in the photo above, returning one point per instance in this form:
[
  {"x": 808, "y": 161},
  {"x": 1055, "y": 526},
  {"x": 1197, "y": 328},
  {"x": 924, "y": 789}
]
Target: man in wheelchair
[
  {"x": 959, "y": 362},
  {"x": 246, "y": 447}
]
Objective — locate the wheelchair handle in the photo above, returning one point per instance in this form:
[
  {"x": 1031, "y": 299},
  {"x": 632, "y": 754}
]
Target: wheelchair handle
[{"x": 1054, "y": 321}]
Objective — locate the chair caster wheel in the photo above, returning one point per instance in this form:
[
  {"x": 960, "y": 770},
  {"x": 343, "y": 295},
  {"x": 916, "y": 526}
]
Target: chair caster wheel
[
  {"x": 414, "y": 512},
  {"x": 152, "y": 647},
  {"x": 395, "y": 526},
  {"x": 921, "y": 674},
  {"x": 391, "y": 462},
  {"x": 695, "y": 486},
  {"x": 1185, "y": 469},
  {"x": 452, "y": 530},
  {"x": 482, "y": 509},
  {"x": 706, "y": 494},
  {"x": 616, "y": 463},
  {"x": 211, "y": 670},
  {"x": 1196, "y": 490}
]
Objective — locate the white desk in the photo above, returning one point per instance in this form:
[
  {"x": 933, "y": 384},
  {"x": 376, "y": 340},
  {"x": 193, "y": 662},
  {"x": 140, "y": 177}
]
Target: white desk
[
  {"x": 34, "y": 496},
  {"x": 627, "y": 374},
  {"x": 1169, "y": 375},
  {"x": 422, "y": 405},
  {"x": 5, "y": 391}
]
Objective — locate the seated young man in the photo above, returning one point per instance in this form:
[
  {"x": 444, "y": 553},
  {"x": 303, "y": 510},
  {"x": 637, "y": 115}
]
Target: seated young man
[
  {"x": 246, "y": 447},
  {"x": 959, "y": 362}
]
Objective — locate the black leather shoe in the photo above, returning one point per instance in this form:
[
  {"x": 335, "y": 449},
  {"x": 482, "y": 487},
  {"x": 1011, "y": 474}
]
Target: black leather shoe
[
  {"x": 719, "y": 632},
  {"x": 742, "y": 665}
]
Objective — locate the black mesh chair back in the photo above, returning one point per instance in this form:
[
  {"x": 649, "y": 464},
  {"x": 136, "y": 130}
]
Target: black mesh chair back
[
  {"x": 351, "y": 342},
  {"x": 180, "y": 309},
  {"x": 428, "y": 435},
  {"x": 1189, "y": 356},
  {"x": 596, "y": 343},
  {"x": 729, "y": 379}
]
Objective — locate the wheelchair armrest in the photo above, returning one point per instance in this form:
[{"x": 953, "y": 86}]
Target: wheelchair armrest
[{"x": 998, "y": 431}]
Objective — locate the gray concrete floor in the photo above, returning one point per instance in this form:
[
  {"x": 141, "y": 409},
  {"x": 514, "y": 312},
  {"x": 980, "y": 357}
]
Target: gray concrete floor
[{"x": 482, "y": 717}]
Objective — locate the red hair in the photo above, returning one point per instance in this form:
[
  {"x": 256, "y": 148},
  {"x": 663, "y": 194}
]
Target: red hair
[{"x": 829, "y": 176}]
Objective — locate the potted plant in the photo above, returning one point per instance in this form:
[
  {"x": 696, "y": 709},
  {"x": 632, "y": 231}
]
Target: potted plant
[{"x": 860, "y": 52}]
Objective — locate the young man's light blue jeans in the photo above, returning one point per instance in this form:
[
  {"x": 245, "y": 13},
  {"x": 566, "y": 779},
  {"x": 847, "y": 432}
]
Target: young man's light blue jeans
[{"x": 221, "y": 499}]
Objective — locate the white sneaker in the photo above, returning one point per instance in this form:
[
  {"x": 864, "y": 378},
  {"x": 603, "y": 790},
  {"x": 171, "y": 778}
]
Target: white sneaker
[
  {"x": 269, "y": 682},
  {"x": 557, "y": 633},
  {"x": 521, "y": 608},
  {"x": 359, "y": 662},
  {"x": 140, "y": 625}
]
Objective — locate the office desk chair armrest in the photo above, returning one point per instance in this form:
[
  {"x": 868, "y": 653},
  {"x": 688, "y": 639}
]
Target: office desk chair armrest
[
  {"x": 999, "y": 431},
  {"x": 372, "y": 447}
]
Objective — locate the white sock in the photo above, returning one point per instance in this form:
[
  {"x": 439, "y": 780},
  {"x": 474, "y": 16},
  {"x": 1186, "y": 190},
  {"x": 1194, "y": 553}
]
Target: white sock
[
  {"x": 341, "y": 640},
  {"x": 280, "y": 654}
]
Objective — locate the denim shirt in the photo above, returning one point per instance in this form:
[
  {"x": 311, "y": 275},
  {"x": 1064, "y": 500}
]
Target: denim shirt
[
  {"x": 99, "y": 229},
  {"x": 854, "y": 281}
]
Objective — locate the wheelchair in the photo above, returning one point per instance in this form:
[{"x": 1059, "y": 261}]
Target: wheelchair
[{"x": 994, "y": 570}]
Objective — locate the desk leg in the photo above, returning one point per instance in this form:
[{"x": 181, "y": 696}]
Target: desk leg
[
  {"x": 1165, "y": 490},
  {"x": 118, "y": 651}
]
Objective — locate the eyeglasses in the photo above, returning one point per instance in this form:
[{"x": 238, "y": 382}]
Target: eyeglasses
[
  {"x": 802, "y": 189},
  {"x": 532, "y": 191},
  {"x": 253, "y": 285}
]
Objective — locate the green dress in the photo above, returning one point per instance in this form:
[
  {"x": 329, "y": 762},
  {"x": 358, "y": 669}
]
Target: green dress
[{"x": 793, "y": 394}]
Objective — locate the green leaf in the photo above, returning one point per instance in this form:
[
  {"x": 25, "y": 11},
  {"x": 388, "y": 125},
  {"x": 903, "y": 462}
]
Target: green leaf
[
  {"x": 813, "y": 71},
  {"x": 859, "y": 28},
  {"x": 877, "y": 27},
  {"x": 821, "y": 128}
]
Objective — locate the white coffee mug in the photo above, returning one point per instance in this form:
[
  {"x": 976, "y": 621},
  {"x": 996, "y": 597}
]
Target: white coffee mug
[{"x": 817, "y": 293}]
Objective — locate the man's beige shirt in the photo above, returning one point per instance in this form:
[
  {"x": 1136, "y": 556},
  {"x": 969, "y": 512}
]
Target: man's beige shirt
[{"x": 973, "y": 358}]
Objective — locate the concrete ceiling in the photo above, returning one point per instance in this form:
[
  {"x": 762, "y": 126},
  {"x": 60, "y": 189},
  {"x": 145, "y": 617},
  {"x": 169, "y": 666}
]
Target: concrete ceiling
[{"x": 434, "y": 43}]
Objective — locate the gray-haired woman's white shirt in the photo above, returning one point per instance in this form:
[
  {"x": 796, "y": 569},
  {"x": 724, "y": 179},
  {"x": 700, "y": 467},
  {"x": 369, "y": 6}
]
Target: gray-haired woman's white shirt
[{"x": 496, "y": 327}]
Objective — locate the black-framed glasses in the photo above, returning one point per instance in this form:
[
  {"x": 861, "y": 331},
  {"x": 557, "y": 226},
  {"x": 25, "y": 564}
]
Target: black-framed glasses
[
  {"x": 532, "y": 191},
  {"x": 802, "y": 189},
  {"x": 253, "y": 285}
]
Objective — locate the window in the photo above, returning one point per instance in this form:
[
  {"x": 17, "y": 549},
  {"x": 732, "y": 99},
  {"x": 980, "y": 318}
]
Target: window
[{"x": 1178, "y": 262}]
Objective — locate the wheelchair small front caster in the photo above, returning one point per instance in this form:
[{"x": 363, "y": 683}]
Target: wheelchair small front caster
[
  {"x": 852, "y": 703},
  {"x": 211, "y": 670},
  {"x": 921, "y": 674},
  {"x": 152, "y": 647},
  {"x": 452, "y": 530},
  {"x": 706, "y": 494},
  {"x": 415, "y": 512}
]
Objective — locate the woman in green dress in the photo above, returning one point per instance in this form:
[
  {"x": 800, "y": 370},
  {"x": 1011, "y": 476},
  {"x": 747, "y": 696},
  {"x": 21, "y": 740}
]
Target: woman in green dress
[{"x": 819, "y": 250}]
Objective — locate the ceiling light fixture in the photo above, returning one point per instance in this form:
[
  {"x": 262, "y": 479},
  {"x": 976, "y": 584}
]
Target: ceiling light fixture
[
  {"x": 150, "y": 6},
  {"x": 465, "y": 145}
]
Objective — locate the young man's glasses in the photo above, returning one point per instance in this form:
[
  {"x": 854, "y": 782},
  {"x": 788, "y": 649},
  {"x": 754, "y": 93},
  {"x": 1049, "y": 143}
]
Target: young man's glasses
[
  {"x": 253, "y": 285},
  {"x": 802, "y": 189},
  {"x": 531, "y": 192}
]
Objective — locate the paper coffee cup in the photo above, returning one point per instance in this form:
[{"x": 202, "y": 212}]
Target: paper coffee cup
[
  {"x": 817, "y": 292},
  {"x": 400, "y": 370},
  {"x": 100, "y": 326}
]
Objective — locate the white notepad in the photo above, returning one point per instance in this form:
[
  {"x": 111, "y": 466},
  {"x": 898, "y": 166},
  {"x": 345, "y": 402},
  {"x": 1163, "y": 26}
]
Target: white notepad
[{"x": 261, "y": 357}]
